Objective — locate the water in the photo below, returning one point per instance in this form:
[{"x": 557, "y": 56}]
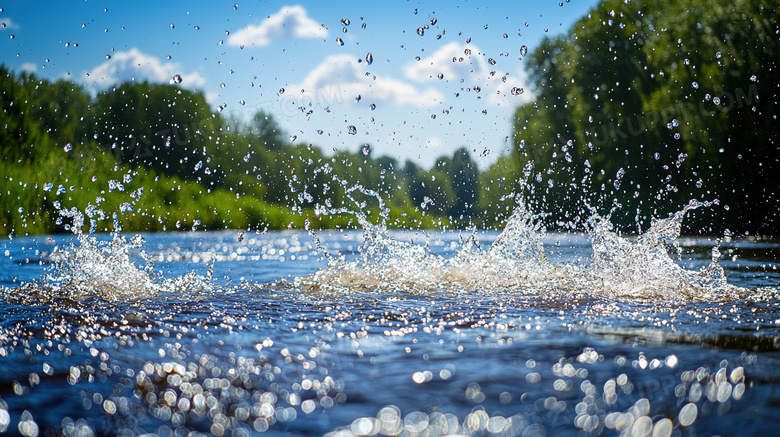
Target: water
[{"x": 378, "y": 332}]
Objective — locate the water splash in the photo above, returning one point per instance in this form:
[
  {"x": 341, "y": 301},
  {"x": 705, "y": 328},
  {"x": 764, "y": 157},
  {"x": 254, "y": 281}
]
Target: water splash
[
  {"x": 112, "y": 269},
  {"x": 516, "y": 263}
]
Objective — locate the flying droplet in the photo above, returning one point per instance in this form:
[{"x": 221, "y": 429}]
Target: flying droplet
[
  {"x": 677, "y": 136},
  {"x": 352, "y": 130},
  {"x": 366, "y": 149},
  {"x": 222, "y": 85},
  {"x": 221, "y": 107},
  {"x": 293, "y": 138},
  {"x": 247, "y": 157},
  {"x": 657, "y": 156},
  {"x": 197, "y": 27},
  {"x": 440, "y": 76},
  {"x": 242, "y": 102},
  {"x": 176, "y": 79},
  {"x": 687, "y": 62},
  {"x": 753, "y": 78},
  {"x": 357, "y": 98},
  {"x": 695, "y": 85},
  {"x": 716, "y": 100},
  {"x": 172, "y": 26},
  {"x": 198, "y": 165},
  {"x": 420, "y": 31},
  {"x": 372, "y": 106},
  {"x": 491, "y": 61},
  {"x": 434, "y": 21},
  {"x": 717, "y": 55},
  {"x": 319, "y": 131},
  {"x": 48, "y": 186},
  {"x": 523, "y": 51},
  {"x": 68, "y": 147},
  {"x": 339, "y": 41},
  {"x": 345, "y": 21},
  {"x": 370, "y": 59},
  {"x": 281, "y": 91}
]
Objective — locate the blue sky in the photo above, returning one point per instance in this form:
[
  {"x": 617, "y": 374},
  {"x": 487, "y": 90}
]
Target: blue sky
[{"x": 249, "y": 51}]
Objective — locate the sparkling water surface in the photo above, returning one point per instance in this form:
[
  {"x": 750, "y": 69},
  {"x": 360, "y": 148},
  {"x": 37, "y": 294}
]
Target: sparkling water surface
[{"x": 243, "y": 334}]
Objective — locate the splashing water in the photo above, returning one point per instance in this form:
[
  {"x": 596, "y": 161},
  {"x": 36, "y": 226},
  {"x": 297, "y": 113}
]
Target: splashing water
[
  {"x": 106, "y": 269},
  {"x": 516, "y": 263}
]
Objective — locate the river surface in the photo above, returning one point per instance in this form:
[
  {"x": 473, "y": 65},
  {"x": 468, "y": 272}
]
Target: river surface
[{"x": 392, "y": 333}]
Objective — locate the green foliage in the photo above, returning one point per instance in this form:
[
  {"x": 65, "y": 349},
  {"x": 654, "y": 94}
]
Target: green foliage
[
  {"x": 625, "y": 114},
  {"x": 160, "y": 159}
]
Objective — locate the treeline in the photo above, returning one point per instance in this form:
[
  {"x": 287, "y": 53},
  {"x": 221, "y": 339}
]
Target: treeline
[
  {"x": 160, "y": 158},
  {"x": 637, "y": 110},
  {"x": 648, "y": 105}
]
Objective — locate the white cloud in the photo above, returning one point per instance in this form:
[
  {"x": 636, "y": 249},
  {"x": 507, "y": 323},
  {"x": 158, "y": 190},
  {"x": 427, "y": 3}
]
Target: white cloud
[
  {"x": 136, "y": 65},
  {"x": 289, "y": 22},
  {"x": 471, "y": 66},
  {"x": 29, "y": 67},
  {"x": 467, "y": 63},
  {"x": 342, "y": 74},
  {"x": 7, "y": 23}
]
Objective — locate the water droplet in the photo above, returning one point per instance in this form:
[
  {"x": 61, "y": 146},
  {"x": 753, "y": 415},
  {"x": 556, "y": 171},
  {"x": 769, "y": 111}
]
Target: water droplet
[
  {"x": 293, "y": 138},
  {"x": 707, "y": 97},
  {"x": 675, "y": 123},
  {"x": 222, "y": 107},
  {"x": 127, "y": 178},
  {"x": 247, "y": 157},
  {"x": 420, "y": 31},
  {"x": 677, "y": 136},
  {"x": 687, "y": 62},
  {"x": 176, "y": 79},
  {"x": 68, "y": 147},
  {"x": 339, "y": 41},
  {"x": 222, "y": 85},
  {"x": 197, "y": 27},
  {"x": 695, "y": 85},
  {"x": 522, "y": 144},
  {"x": 357, "y": 98},
  {"x": 523, "y": 51},
  {"x": 319, "y": 131},
  {"x": 369, "y": 58},
  {"x": 516, "y": 91},
  {"x": 172, "y": 26},
  {"x": 717, "y": 55},
  {"x": 352, "y": 130},
  {"x": 345, "y": 21},
  {"x": 281, "y": 91},
  {"x": 753, "y": 78},
  {"x": 366, "y": 149},
  {"x": 716, "y": 100},
  {"x": 372, "y": 106},
  {"x": 491, "y": 61},
  {"x": 440, "y": 76},
  {"x": 242, "y": 102},
  {"x": 94, "y": 178},
  {"x": 235, "y": 6},
  {"x": 198, "y": 165},
  {"x": 657, "y": 156}
]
